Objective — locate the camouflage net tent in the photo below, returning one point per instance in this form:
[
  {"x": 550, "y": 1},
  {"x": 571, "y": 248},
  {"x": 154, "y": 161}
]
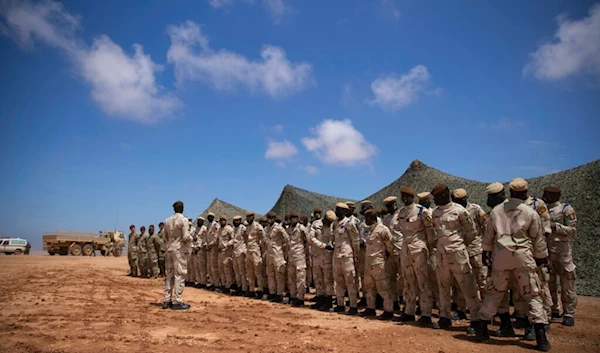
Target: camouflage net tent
[
  {"x": 303, "y": 201},
  {"x": 220, "y": 208}
]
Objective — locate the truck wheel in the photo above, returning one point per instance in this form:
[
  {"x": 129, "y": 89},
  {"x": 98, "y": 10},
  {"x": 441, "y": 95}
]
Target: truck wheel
[
  {"x": 63, "y": 251},
  {"x": 51, "y": 253},
  {"x": 76, "y": 250},
  {"x": 18, "y": 252},
  {"x": 102, "y": 252},
  {"x": 117, "y": 252},
  {"x": 87, "y": 250}
]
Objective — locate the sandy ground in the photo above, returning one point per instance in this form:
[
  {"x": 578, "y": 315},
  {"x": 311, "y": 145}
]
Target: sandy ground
[{"x": 68, "y": 304}]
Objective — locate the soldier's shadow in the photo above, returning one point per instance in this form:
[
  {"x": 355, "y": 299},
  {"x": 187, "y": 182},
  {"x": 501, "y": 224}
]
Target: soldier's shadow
[
  {"x": 158, "y": 305},
  {"x": 495, "y": 341}
]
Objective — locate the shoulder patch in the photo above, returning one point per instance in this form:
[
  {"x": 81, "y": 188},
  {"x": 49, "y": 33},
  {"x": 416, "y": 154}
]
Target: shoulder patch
[
  {"x": 485, "y": 216},
  {"x": 467, "y": 217},
  {"x": 541, "y": 209}
]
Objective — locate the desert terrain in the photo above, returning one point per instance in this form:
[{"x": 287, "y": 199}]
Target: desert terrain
[{"x": 84, "y": 304}]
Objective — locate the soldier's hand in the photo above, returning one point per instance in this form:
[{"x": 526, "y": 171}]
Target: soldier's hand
[
  {"x": 553, "y": 225},
  {"x": 487, "y": 258},
  {"x": 540, "y": 262},
  {"x": 329, "y": 247}
]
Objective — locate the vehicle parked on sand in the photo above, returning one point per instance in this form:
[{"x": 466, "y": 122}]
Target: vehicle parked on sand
[
  {"x": 65, "y": 242},
  {"x": 16, "y": 246}
]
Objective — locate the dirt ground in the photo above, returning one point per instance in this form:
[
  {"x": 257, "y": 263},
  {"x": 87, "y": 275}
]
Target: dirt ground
[{"x": 69, "y": 304}]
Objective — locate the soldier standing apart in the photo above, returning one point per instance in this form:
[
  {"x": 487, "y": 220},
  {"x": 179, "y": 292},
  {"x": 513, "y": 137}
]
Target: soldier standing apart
[
  {"x": 393, "y": 265},
  {"x": 213, "y": 251},
  {"x": 153, "y": 250},
  {"x": 415, "y": 223},
  {"x": 560, "y": 246},
  {"x": 321, "y": 237},
  {"x": 163, "y": 249},
  {"x": 178, "y": 250},
  {"x": 345, "y": 256},
  {"x": 277, "y": 244},
  {"x": 254, "y": 261},
  {"x": 132, "y": 251},
  {"x": 378, "y": 242},
  {"x": 143, "y": 252},
  {"x": 296, "y": 261},
  {"x": 514, "y": 237},
  {"x": 201, "y": 254},
  {"x": 225, "y": 257},
  {"x": 239, "y": 256},
  {"x": 455, "y": 231}
]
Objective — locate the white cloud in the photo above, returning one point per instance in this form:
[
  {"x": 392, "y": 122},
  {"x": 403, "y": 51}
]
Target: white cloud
[
  {"x": 280, "y": 150},
  {"x": 123, "y": 85},
  {"x": 393, "y": 92},
  {"x": 338, "y": 142},
  {"x": 194, "y": 60},
  {"x": 310, "y": 169},
  {"x": 575, "y": 49},
  {"x": 276, "y": 8},
  {"x": 220, "y": 3},
  {"x": 504, "y": 123},
  {"x": 389, "y": 6}
]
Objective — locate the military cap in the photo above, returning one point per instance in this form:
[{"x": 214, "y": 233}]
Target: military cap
[
  {"x": 438, "y": 189},
  {"x": 330, "y": 215},
  {"x": 459, "y": 193},
  {"x": 342, "y": 205},
  {"x": 178, "y": 204},
  {"x": 223, "y": 217},
  {"x": 210, "y": 214},
  {"x": 383, "y": 211},
  {"x": 390, "y": 199},
  {"x": 132, "y": 226},
  {"x": 366, "y": 202},
  {"x": 317, "y": 210},
  {"x": 494, "y": 188},
  {"x": 237, "y": 218},
  {"x": 263, "y": 219},
  {"x": 408, "y": 190},
  {"x": 271, "y": 214},
  {"x": 552, "y": 189},
  {"x": 278, "y": 218},
  {"x": 200, "y": 218},
  {"x": 518, "y": 184},
  {"x": 349, "y": 203},
  {"x": 249, "y": 213},
  {"x": 423, "y": 195},
  {"x": 293, "y": 214},
  {"x": 371, "y": 212}
]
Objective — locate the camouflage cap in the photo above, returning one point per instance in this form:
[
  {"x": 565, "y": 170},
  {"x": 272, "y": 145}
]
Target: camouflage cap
[
  {"x": 366, "y": 202},
  {"x": 552, "y": 190},
  {"x": 330, "y": 215},
  {"x": 438, "y": 189},
  {"x": 209, "y": 214},
  {"x": 518, "y": 184},
  {"x": 342, "y": 205},
  {"x": 423, "y": 195},
  {"x": 494, "y": 188},
  {"x": 408, "y": 190},
  {"x": 459, "y": 193},
  {"x": 237, "y": 218},
  {"x": 249, "y": 213},
  {"x": 390, "y": 199}
]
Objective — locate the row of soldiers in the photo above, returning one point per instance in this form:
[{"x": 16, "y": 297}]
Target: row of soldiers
[
  {"x": 146, "y": 252},
  {"x": 454, "y": 252}
]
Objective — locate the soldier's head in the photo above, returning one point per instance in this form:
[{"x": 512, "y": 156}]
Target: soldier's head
[
  {"x": 142, "y": 229},
  {"x": 390, "y": 204},
  {"x": 151, "y": 229},
  {"x": 316, "y": 214},
  {"x": 200, "y": 222},
  {"x": 304, "y": 220},
  {"x": 551, "y": 194},
  {"x": 341, "y": 210},
  {"x": 407, "y": 195},
  {"x": 210, "y": 217},
  {"x": 278, "y": 219},
  {"x": 424, "y": 199},
  {"x": 364, "y": 206},
  {"x": 518, "y": 188},
  {"x": 370, "y": 217},
  {"x": 330, "y": 217},
  {"x": 161, "y": 225},
  {"x": 237, "y": 220},
  {"x": 177, "y": 207},
  {"x": 132, "y": 228},
  {"x": 460, "y": 197},
  {"x": 351, "y": 208},
  {"x": 249, "y": 217},
  {"x": 271, "y": 217},
  {"x": 382, "y": 212},
  {"x": 263, "y": 221},
  {"x": 294, "y": 218},
  {"x": 223, "y": 220},
  {"x": 495, "y": 194},
  {"x": 441, "y": 194}
]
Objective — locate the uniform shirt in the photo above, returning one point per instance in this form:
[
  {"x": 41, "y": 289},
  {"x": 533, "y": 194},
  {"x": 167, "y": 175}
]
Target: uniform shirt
[
  {"x": 377, "y": 243},
  {"x": 314, "y": 230},
  {"x": 211, "y": 234},
  {"x": 239, "y": 243},
  {"x": 254, "y": 238},
  {"x": 225, "y": 238},
  {"x": 143, "y": 243},
  {"x": 319, "y": 237},
  {"x": 201, "y": 237},
  {"x": 177, "y": 233},
  {"x": 514, "y": 234},
  {"x": 560, "y": 241},
  {"x": 278, "y": 242},
  {"x": 297, "y": 250},
  {"x": 154, "y": 244},
  {"x": 391, "y": 221},
  {"x": 479, "y": 218},
  {"x": 416, "y": 226},
  {"x": 133, "y": 240},
  {"x": 542, "y": 209},
  {"x": 345, "y": 238},
  {"x": 163, "y": 241},
  {"x": 453, "y": 227}
]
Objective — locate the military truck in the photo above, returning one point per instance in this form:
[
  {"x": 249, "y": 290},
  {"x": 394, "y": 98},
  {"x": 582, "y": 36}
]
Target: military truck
[{"x": 65, "y": 242}]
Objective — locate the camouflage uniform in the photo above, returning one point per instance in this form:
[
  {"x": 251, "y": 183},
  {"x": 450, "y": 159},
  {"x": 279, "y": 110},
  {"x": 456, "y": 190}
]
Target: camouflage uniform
[
  {"x": 394, "y": 265},
  {"x": 178, "y": 240},
  {"x": 297, "y": 261},
  {"x": 377, "y": 242},
  {"x": 162, "y": 253},
  {"x": 143, "y": 255},
  {"x": 201, "y": 256},
  {"x": 213, "y": 253},
  {"x": 191, "y": 274},
  {"x": 345, "y": 238},
  {"x": 153, "y": 251},
  {"x": 277, "y": 243},
  {"x": 319, "y": 237},
  {"x": 225, "y": 257},
  {"x": 132, "y": 254},
  {"x": 254, "y": 261},
  {"x": 239, "y": 257}
]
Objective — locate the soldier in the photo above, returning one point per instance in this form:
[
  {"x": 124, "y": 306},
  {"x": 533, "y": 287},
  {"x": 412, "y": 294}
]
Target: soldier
[
  {"x": 265, "y": 256},
  {"x": 277, "y": 244},
  {"x": 109, "y": 249},
  {"x": 201, "y": 254},
  {"x": 345, "y": 255},
  {"x": 178, "y": 250},
  {"x": 296, "y": 261},
  {"x": 213, "y": 251},
  {"x": 153, "y": 251},
  {"x": 455, "y": 231},
  {"x": 239, "y": 256},
  {"x": 309, "y": 282},
  {"x": 425, "y": 201},
  {"x": 393, "y": 265},
  {"x": 191, "y": 275},
  {"x": 163, "y": 249},
  {"x": 416, "y": 226},
  {"x": 132, "y": 251},
  {"x": 320, "y": 236},
  {"x": 514, "y": 237},
  {"x": 225, "y": 257},
  {"x": 363, "y": 231},
  {"x": 315, "y": 220},
  {"x": 378, "y": 242},
  {"x": 254, "y": 262},
  {"x": 143, "y": 252},
  {"x": 560, "y": 246}
]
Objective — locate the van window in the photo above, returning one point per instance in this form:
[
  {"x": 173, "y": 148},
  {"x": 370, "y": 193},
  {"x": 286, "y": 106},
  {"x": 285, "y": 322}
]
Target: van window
[
  {"x": 5, "y": 242},
  {"x": 22, "y": 242},
  {"x": 14, "y": 242}
]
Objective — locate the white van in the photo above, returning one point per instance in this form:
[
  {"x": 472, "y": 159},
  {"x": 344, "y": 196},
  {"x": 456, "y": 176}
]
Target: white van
[{"x": 11, "y": 246}]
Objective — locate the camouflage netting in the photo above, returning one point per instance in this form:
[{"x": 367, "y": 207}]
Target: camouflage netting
[
  {"x": 220, "y": 208},
  {"x": 303, "y": 201}
]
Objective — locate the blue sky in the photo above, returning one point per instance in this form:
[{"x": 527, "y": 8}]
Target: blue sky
[{"x": 133, "y": 105}]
